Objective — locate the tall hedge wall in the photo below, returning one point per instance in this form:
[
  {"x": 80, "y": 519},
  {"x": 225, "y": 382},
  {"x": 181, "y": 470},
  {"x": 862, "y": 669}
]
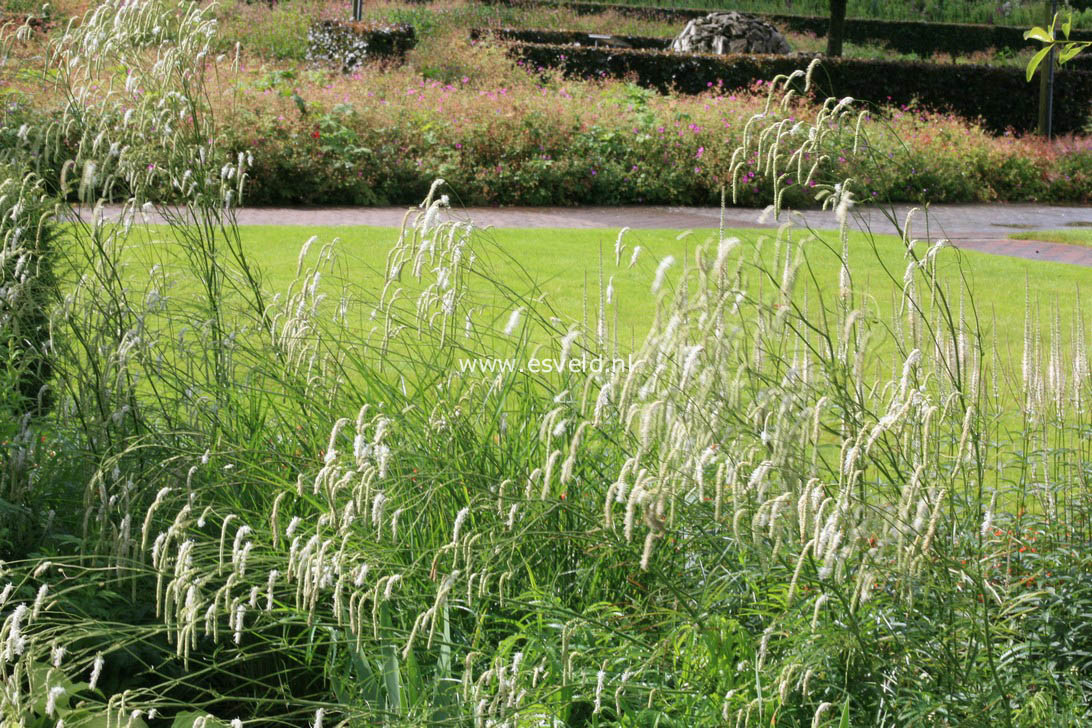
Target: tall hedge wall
[
  {"x": 917, "y": 37},
  {"x": 1000, "y": 97},
  {"x": 905, "y": 36}
]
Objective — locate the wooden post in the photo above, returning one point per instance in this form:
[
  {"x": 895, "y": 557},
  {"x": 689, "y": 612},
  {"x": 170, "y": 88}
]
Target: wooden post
[
  {"x": 837, "y": 31},
  {"x": 1046, "y": 80},
  {"x": 1051, "y": 64}
]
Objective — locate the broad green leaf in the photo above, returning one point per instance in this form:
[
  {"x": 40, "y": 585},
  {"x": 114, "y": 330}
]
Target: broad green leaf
[
  {"x": 1039, "y": 34},
  {"x": 391, "y": 674},
  {"x": 443, "y": 663},
  {"x": 90, "y": 720},
  {"x": 367, "y": 678},
  {"x": 1037, "y": 59},
  {"x": 844, "y": 722},
  {"x": 1067, "y": 26},
  {"x": 101, "y": 719},
  {"x": 536, "y": 716},
  {"x": 446, "y": 685},
  {"x": 412, "y": 680},
  {"x": 1072, "y": 50},
  {"x": 44, "y": 677},
  {"x": 189, "y": 718}
]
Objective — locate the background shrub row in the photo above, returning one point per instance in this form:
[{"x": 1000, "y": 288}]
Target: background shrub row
[
  {"x": 905, "y": 36},
  {"x": 999, "y": 96}
]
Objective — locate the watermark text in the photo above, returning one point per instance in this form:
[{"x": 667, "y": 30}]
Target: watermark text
[{"x": 534, "y": 365}]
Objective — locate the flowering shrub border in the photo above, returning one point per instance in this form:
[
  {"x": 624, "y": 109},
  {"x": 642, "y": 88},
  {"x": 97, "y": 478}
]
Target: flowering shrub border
[{"x": 349, "y": 44}]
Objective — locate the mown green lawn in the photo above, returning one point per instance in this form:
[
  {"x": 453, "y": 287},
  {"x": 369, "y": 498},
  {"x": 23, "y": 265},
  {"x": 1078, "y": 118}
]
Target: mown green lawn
[
  {"x": 565, "y": 264},
  {"x": 1072, "y": 236}
]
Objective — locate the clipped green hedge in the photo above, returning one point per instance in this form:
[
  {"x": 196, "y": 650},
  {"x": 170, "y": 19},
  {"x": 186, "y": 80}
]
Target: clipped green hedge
[
  {"x": 640, "y": 42},
  {"x": 571, "y": 37},
  {"x": 917, "y": 37},
  {"x": 1000, "y": 98},
  {"x": 349, "y": 44},
  {"x": 904, "y": 36}
]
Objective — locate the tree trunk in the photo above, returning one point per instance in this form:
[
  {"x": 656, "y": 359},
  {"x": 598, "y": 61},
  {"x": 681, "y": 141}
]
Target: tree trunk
[{"x": 837, "y": 31}]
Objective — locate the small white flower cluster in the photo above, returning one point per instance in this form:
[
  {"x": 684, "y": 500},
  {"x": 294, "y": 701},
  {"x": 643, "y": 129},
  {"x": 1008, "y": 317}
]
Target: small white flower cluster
[
  {"x": 776, "y": 149},
  {"x": 138, "y": 138},
  {"x": 1054, "y": 381},
  {"x": 439, "y": 252},
  {"x": 294, "y": 321},
  {"x": 320, "y": 570}
]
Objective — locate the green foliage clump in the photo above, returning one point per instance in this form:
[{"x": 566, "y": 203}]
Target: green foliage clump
[
  {"x": 29, "y": 286},
  {"x": 28, "y": 292}
]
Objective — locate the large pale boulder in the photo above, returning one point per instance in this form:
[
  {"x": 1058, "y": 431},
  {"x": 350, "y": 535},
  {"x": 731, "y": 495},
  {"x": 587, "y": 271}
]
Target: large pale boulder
[{"x": 730, "y": 32}]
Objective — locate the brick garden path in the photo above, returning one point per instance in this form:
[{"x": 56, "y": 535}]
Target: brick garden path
[{"x": 984, "y": 228}]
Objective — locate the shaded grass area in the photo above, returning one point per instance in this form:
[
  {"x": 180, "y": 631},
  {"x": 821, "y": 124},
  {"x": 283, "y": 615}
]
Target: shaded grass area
[{"x": 1069, "y": 237}]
